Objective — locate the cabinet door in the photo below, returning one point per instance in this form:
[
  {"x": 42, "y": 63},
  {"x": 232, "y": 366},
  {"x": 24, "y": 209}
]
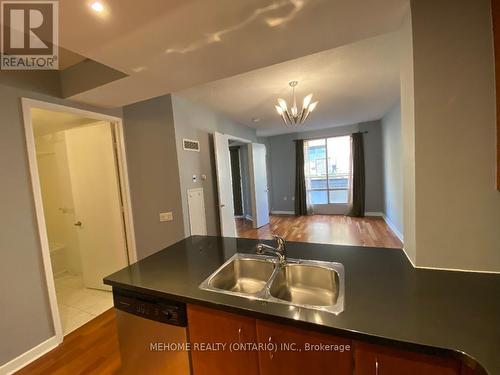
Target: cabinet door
[
  {"x": 209, "y": 326},
  {"x": 378, "y": 360},
  {"x": 292, "y": 357}
]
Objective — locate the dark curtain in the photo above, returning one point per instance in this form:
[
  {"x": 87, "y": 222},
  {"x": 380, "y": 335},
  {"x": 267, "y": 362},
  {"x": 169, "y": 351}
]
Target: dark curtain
[
  {"x": 358, "y": 176},
  {"x": 300, "y": 179}
]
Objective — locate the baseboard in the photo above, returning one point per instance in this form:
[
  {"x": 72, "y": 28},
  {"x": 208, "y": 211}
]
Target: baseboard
[
  {"x": 31, "y": 355},
  {"x": 381, "y": 214},
  {"x": 282, "y": 213},
  {"x": 395, "y": 230},
  {"x": 248, "y": 217}
]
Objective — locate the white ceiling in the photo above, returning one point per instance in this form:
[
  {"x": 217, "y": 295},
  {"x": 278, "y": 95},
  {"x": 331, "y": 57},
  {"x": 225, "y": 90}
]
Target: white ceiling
[
  {"x": 353, "y": 83},
  {"x": 167, "y": 46},
  {"x": 48, "y": 122}
]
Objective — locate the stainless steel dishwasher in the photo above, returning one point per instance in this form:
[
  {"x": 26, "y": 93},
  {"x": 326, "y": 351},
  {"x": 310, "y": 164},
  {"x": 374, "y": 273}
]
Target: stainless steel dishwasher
[{"x": 152, "y": 333}]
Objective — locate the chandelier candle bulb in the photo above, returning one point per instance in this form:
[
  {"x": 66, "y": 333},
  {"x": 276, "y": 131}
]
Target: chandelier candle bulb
[
  {"x": 282, "y": 104},
  {"x": 307, "y": 101}
]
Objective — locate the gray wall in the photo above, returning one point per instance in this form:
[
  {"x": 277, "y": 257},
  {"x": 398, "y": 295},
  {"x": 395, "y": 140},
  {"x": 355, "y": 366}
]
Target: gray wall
[
  {"x": 408, "y": 136},
  {"x": 458, "y": 206},
  {"x": 45, "y": 82},
  {"x": 193, "y": 121},
  {"x": 25, "y": 320},
  {"x": 153, "y": 173},
  {"x": 374, "y": 175},
  {"x": 392, "y": 147},
  {"x": 281, "y": 150}
]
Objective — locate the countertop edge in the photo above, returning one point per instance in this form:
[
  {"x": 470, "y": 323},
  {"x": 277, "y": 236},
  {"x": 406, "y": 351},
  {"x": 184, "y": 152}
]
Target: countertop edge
[{"x": 343, "y": 332}]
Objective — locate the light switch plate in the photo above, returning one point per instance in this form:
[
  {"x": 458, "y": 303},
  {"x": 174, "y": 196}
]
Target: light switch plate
[{"x": 166, "y": 216}]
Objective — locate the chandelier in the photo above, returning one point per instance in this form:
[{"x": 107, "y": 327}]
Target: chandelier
[{"x": 293, "y": 116}]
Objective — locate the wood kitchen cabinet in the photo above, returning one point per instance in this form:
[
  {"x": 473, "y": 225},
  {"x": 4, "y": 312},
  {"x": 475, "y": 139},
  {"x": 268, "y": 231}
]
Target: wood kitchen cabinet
[
  {"x": 287, "y": 361},
  {"x": 336, "y": 356},
  {"x": 380, "y": 360},
  {"x": 212, "y": 326}
]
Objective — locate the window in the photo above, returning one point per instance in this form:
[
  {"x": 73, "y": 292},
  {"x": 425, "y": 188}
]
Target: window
[{"x": 328, "y": 169}]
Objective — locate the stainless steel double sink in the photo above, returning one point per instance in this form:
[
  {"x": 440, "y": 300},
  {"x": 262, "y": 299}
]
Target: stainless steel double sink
[{"x": 310, "y": 284}]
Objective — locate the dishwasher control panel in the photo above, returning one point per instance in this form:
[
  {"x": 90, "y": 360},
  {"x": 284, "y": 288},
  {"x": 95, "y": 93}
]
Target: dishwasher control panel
[{"x": 150, "y": 307}]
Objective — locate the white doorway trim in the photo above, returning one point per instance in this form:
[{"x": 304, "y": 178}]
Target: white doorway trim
[
  {"x": 27, "y": 106},
  {"x": 242, "y": 192},
  {"x": 237, "y": 139},
  {"x": 257, "y": 154}
]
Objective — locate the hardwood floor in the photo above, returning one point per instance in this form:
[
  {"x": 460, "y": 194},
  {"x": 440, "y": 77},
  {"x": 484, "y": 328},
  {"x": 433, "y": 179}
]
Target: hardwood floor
[
  {"x": 90, "y": 349},
  {"x": 326, "y": 229}
]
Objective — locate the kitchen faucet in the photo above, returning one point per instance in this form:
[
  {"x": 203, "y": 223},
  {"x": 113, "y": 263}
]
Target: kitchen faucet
[{"x": 279, "y": 250}]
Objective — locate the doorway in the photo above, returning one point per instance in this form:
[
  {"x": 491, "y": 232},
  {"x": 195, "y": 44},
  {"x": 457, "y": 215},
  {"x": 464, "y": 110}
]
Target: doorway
[
  {"x": 240, "y": 177},
  {"x": 241, "y": 183},
  {"x": 82, "y": 205},
  {"x": 236, "y": 178}
]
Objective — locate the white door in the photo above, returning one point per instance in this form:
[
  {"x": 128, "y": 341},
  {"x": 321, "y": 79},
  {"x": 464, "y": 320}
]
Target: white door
[
  {"x": 259, "y": 187},
  {"x": 96, "y": 196},
  {"x": 196, "y": 207},
  {"x": 224, "y": 185}
]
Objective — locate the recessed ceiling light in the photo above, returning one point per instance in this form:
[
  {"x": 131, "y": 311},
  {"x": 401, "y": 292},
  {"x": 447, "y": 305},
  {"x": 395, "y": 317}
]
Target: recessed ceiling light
[
  {"x": 97, "y": 6},
  {"x": 255, "y": 119}
]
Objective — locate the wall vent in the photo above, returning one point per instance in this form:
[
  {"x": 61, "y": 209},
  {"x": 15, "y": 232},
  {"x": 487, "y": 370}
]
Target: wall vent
[{"x": 190, "y": 145}]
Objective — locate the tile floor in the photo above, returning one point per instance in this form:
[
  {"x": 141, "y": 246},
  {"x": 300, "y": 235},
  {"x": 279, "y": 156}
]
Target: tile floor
[{"x": 77, "y": 304}]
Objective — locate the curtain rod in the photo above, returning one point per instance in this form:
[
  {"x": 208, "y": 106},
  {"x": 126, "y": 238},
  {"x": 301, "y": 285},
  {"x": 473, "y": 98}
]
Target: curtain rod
[{"x": 340, "y": 135}]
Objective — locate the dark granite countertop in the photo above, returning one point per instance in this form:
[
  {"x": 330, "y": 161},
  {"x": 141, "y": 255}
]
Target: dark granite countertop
[{"x": 386, "y": 299}]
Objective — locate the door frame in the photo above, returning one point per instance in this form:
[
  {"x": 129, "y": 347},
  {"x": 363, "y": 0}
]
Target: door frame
[
  {"x": 228, "y": 137},
  {"x": 117, "y": 124}
]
